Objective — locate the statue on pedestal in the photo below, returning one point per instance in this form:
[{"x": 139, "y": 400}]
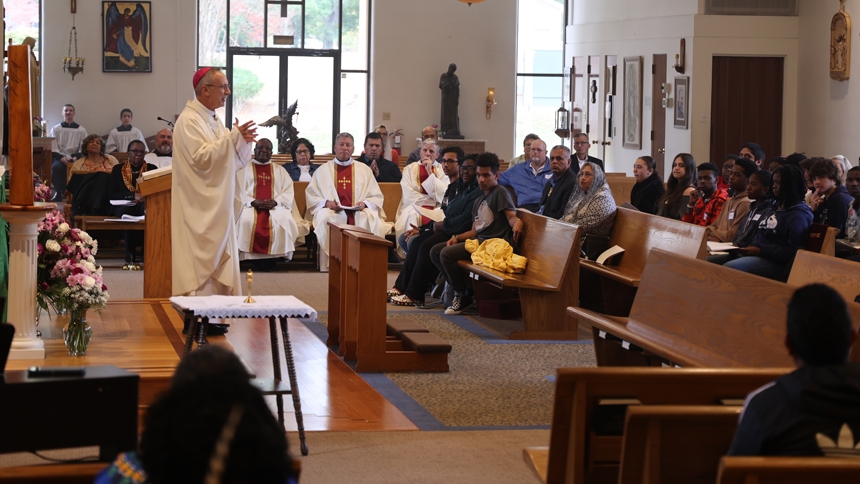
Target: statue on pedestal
[{"x": 450, "y": 86}]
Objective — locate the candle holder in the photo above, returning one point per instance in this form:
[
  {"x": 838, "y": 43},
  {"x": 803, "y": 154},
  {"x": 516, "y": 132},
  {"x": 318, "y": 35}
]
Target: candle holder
[
  {"x": 250, "y": 279},
  {"x": 73, "y": 66}
]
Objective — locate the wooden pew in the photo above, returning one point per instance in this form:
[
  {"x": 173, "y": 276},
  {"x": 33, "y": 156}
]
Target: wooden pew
[
  {"x": 637, "y": 233},
  {"x": 551, "y": 279},
  {"x": 841, "y": 274},
  {"x": 693, "y": 313},
  {"x": 77, "y": 473},
  {"x": 89, "y": 223},
  {"x": 676, "y": 444},
  {"x": 341, "y": 322},
  {"x": 788, "y": 470},
  {"x": 392, "y": 193},
  {"x": 580, "y": 450},
  {"x": 366, "y": 281},
  {"x": 621, "y": 187}
]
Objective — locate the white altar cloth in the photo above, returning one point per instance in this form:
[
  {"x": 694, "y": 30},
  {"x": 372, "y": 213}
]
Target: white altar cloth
[{"x": 234, "y": 307}]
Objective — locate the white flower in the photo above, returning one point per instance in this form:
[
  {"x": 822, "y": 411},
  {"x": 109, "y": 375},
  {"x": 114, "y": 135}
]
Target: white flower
[
  {"x": 89, "y": 281},
  {"x": 85, "y": 237},
  {"x": 91, "y": 259},
  {"x": 63, "y": 227},
  {"x": 53, "y": 245},
  {"x": 89, "y": 265}
]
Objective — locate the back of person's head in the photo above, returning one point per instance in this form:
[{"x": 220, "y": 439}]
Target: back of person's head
[
  {"x": 819, "y": 326},
  {"x": 748, "y": 166},
  {"x": 456, "y": 150},
  {"x": 755, "y": 149},
  {"x": 488, "y": 160},
  {"x": 824, "y": 168},
  {"x": 792, "y": 186},
  {"x": 184, "y": 425},
  {"x": 795, "y": 158}
]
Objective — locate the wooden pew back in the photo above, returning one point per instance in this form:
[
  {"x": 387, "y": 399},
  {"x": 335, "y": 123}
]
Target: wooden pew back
[
  {"x": 392, "y": 192},
  {"x": 840, "y": 274},
  {"x": 788, "y": 470},
  {"x": 679, "y": 444},
  {"x": 547, "y": 244},
  {"x": 575, "y": 451},
  {"x": 299, "y": 188},
  {"x": 621, "y": 187}
]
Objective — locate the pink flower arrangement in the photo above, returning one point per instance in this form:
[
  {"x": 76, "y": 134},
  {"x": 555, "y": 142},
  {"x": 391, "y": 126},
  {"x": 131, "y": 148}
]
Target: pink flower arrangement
[
  {"x": 67, "y": 274},
  {"x": 41, "y": 192}
]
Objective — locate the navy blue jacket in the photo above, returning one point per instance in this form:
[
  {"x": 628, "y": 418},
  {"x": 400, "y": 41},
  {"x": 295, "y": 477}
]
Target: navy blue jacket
[
  {"x": 780, "y": 235},
  {"x": 833, "y": 211},
  {"x": 458, "y": 213},
  {"x": 758, "y": 213},
  {"x": 295, "y": 172}
]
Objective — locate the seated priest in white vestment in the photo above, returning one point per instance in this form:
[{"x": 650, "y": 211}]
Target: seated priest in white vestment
[
  {"x": 162, "y": 155},
  {"x": 122, "y": 135},
  {"x": 423, "y": 184},
  {"x": 345, "y": 192},
  {"x": 266, "y": 221}
]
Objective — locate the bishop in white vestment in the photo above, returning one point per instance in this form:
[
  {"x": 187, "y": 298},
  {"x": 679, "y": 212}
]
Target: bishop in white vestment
[{"x": 206, "y": 158}]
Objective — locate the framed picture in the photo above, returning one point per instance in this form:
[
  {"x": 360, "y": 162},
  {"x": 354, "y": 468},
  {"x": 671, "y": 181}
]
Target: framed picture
[
  {"x": 126, "y": 37},
  {"x": 632, "y": 127},
  {"x": 682, "y": 98}
]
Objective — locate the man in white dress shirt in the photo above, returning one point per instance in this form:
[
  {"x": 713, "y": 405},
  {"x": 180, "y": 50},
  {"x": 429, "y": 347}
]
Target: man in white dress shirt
[
  {"x": 163, "y": 154},
  {"x": 69, "y": 136},
  {"x": 206, "y": 158}
]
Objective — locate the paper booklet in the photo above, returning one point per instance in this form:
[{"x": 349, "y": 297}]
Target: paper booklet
[
  {"x": 436, "y": 214},
  {"x": 164, "y": 170},
  {"x": 609, "y": 253},
  {"x": 721, "y": 247},
  {"x": 127, "y": 218},
  {"x": 122, "y": 203},
  {"x": 349, "y": 208}
]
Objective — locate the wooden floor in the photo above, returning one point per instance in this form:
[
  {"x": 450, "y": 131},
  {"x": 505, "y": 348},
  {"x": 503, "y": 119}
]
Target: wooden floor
[{"x": 144, "y": 336}]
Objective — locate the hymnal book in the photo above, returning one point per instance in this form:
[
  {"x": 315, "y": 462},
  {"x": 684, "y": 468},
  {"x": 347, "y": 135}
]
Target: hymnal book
[{"x": 164, "y": 170}]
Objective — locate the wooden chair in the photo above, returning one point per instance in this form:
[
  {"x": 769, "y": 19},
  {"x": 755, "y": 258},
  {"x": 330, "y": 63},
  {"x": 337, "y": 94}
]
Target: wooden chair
[
  {"x": 688, "y": 312},
  {"x": 840, "y": 274},
  {"x": 680, "y": 444},
  {"x": 583, "y": 447},
  {"x": 551, "y": 279},
  {"x": 637, "y": 233},
  {"x": 788, "y": 470}
]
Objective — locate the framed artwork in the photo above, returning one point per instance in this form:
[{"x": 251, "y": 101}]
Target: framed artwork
[
  {"x": 632, "y": 127},
  {"x": 126, "y": 37},
  {"x": 840, "y": 45},
  {"x": 682, "y": 97}
]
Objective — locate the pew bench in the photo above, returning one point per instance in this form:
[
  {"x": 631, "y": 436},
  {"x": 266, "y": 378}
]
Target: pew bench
[
  {"x": 75, "y": 473},
  {"x": 88, "y": 223},
  {"x": 694, "y": 313},
  {"x": 841, "y": 274},
  {"x": 681, "y": 444},
  {"x": 637, "y": 233},
  {"x": 621, "y": 186},
  {"x": 587, "y": 430},
  {"x": 550, "y": 281},
  {"x": 788, "y": 470}
]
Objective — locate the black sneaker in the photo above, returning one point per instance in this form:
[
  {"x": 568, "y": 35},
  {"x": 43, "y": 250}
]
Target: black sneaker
[{"x": 460, "y": 304}]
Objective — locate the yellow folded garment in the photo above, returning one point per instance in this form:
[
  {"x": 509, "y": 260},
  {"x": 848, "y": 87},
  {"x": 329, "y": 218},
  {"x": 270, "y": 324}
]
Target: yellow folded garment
[{"x": 496, "y": 254}]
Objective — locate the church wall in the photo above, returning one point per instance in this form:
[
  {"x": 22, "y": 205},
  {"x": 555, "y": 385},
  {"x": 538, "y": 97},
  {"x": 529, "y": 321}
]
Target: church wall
[
  {"x": 826, "y": 109},
  {"x": 415, "y": 40},
  {"x": 98, "y": 96}
]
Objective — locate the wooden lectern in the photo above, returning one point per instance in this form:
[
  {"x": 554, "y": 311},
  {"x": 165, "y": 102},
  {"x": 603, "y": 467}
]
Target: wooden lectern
[{"x": 158, "y": 258}]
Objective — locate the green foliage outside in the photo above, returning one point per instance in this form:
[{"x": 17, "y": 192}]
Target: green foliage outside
[{"x": 246, "y": 86}]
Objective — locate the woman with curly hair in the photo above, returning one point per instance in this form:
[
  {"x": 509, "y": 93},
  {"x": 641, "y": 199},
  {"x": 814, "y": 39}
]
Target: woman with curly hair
[
  {"x": 301, "y": 168},
  {"x": 93, "y": 157}
]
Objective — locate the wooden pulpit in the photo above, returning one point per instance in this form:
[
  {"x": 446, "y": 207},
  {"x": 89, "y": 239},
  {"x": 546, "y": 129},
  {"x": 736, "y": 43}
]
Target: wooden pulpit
[{"x": 158, "y": 269}]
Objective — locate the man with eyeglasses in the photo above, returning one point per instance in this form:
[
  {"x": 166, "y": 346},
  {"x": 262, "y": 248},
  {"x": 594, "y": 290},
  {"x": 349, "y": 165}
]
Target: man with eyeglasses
[
  {"x": 206, "y": 158},
  {"x": 427, "y": 133},
  {"x": 124, "y": 178},
  {"x": 581, "y": 147},
  {"x": 528, "y": 179},
  {"x": 423, "y": 184},
  {"x": 162, "y": 155},
  {"x": 556, "y": 193},
  {"x": 268, "y": 224}
]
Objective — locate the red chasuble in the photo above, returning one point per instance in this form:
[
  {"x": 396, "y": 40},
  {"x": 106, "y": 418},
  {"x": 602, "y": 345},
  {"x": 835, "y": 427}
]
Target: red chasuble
[
  {"x": 344, "y": 182},
  {"x": 262, "y": 240},
  {"x": 423, "y": 174}
]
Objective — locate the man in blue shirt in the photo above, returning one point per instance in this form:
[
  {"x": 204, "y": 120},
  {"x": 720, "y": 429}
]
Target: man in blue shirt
[{"x": 528, "y": 179}]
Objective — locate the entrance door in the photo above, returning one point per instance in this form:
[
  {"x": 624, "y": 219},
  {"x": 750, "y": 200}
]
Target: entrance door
[
  {"x": 658, "y": 115},
  {"x": 595, "y": 103},
  {"x": 610, "y": 71},
  {"x": 265, "y": 82},
  {"x": 746, "y": 105}
]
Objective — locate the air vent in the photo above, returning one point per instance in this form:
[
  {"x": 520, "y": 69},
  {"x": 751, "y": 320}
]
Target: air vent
[{"x": 773, "y": 8}]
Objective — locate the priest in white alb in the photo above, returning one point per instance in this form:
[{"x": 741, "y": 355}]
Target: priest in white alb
[
  {"x": 266, "y": 220},
  {"x": 345, "y": 192},
  {"x": 68, "y": 136},
  {"x": 206, "y": 158},
  {"x": 423, "y": 184}
]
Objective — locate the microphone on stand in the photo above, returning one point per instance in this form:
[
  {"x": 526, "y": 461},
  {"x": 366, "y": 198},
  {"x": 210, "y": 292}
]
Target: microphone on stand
[{"x": 166, "y": 121}]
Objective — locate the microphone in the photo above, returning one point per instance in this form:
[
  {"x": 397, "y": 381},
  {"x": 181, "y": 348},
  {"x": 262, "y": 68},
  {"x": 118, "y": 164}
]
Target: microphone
[{"x": 166, "y": 121}]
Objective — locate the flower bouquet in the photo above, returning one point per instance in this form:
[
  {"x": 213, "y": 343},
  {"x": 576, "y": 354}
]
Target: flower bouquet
[
  {"x": 41, "y": 192},
  {"x": 68, "y": 278}
]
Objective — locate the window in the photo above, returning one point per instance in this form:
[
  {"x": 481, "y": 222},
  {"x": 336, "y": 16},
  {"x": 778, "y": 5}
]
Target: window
[
  {"x": 540, "y": 48},
  {"x": 22, "y": 21}
]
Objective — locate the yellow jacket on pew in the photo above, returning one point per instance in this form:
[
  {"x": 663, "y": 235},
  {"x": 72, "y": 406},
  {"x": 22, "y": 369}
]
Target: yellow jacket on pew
[{"x": 496, "y": 254}]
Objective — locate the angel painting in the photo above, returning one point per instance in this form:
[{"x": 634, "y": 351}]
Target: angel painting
[
  {"x": 127, "y": 37},
  {"x": 287, "y": 132}
]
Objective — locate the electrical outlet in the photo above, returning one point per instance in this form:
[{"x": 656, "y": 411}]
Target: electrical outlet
[{"x": 386, "y": 116}]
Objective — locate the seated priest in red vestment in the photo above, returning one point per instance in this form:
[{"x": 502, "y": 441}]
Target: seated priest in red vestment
[
  {"x": 267, "y": 224},
  {"x": 345, "y": 192}
]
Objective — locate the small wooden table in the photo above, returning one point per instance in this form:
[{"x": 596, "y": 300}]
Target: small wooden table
[{"x": 196, "y": 312}]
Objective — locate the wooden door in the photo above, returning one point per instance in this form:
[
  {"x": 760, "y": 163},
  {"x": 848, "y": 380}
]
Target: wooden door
[
  {"x": 609, "y": 121},
  {"x": 746, "y": 105},
  {"x": 658, "y": 116},
  {"x": 595, "y": 102},
  {"x": 579, "y": 113}
]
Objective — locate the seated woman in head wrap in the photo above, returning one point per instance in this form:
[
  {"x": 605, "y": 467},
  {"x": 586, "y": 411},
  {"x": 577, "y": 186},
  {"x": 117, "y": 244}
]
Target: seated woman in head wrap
[{"x": 591, "y": 206}]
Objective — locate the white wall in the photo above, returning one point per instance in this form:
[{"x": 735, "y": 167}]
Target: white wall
[
  {"x": 415, "y": 40},
  {"x": 826, "y": 109},
  {"x": 98, "y": 96}
]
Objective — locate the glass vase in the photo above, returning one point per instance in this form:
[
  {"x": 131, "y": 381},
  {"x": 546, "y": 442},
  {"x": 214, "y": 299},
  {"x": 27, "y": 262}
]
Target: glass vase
[{"x": 77, "y": 333}]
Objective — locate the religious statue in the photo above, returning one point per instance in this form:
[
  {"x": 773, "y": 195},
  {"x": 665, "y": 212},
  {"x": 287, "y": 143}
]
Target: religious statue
[
  {"x": 287, "y": 132},
  {"x": 840, "y": 44},
  {"x": 450, "y": 86}
]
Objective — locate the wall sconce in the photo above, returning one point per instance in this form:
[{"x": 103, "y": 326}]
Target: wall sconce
[
  {"x": 679, "y": 58},
  {"x": 491, "y": 101},
  {"x": 562, "y": 122}
]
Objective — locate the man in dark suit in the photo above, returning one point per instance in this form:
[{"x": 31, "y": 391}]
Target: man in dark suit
[
  {"x": 559, "y": 188},
  {"x": 580, "y": 147},
  {"x": 383, "y": 170}
]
